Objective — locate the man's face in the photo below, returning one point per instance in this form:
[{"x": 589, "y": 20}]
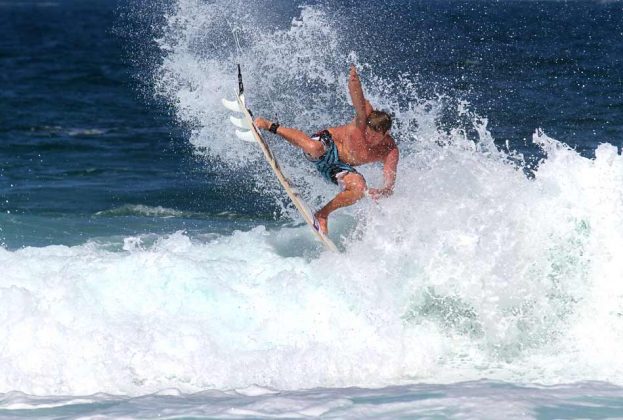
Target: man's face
[{"x": 373, "y": 136}]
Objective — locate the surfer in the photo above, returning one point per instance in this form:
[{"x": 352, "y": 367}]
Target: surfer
[{"x": 337, "y": 150}]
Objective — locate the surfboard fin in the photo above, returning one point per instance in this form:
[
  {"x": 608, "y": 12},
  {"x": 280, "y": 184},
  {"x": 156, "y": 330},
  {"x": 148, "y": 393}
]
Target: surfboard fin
[
  {"x": 246, "y": 135},
  {"x": 236, "y": 106},
  {"x": 240, "y": 123},
  {"x": 231, "y": 105}
]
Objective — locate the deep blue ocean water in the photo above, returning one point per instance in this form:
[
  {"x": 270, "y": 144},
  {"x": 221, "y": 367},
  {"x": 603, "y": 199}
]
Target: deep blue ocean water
[
  {"x": 80, "y": 147},
  {"x": 144, "y": 250}
]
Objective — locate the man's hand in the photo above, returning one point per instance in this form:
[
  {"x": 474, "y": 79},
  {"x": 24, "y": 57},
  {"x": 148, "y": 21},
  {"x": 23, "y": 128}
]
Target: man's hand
[
  {"x": 262, "y": 123},
  {"x": 377, "y": 193}
]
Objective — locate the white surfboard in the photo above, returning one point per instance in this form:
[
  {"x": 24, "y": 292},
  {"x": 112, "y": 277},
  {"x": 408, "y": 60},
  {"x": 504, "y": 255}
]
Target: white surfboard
[{"x": 247, "y": 131}]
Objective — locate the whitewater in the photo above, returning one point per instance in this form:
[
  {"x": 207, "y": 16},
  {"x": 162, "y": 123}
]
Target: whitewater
[{"x": 485, "y": 277}]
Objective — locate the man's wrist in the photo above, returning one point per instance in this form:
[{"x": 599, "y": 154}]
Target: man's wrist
[{"x": 273, "y": 127}]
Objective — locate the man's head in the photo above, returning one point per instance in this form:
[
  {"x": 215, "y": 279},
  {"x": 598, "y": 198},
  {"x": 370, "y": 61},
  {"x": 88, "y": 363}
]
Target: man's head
[
  {"x": 379, "y": 121},
  {"x": 378, "y": 124}
]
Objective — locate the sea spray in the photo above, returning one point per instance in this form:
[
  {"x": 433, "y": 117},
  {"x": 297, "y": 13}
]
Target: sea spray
[
  {"x": 471, "y": 269},
  {"x": 468, "y": 242}
]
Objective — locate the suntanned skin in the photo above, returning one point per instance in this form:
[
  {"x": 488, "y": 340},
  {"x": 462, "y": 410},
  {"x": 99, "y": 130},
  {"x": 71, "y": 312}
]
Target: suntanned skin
[{"x": 357, "y": 144}]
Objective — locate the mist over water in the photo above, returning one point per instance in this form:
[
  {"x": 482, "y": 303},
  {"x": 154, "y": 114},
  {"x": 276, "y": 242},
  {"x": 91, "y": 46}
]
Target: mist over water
[{"x": 479, "y": 266}]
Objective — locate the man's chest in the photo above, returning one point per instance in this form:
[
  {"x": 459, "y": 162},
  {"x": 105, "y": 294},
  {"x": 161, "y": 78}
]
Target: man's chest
[{"x": 356, "y": 151}]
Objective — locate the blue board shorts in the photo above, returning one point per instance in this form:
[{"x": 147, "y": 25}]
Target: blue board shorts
[{"x": 329, "y": 164}]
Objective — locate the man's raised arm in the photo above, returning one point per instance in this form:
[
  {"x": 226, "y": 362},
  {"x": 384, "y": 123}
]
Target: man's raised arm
[{"x": 356, "y": 95}]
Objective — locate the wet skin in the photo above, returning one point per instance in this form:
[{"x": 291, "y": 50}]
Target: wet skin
[{"x": 357, "y": 144}]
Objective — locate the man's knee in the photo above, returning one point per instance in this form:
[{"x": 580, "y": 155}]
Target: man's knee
[
  {"x": 355, "y": 182},
  {"x": 314, "y": 148}
]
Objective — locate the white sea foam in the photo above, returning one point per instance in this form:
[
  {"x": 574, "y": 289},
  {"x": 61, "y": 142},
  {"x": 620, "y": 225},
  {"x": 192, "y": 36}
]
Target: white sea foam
[{"x": 469, "y": 270}]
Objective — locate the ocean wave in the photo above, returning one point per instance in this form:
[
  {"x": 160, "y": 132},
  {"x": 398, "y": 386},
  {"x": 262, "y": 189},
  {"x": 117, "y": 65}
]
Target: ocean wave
[
  {"x": 464, "y": 400},
  {"x": 470, "y": 270},
  {"x": 86, "y": 132},
  {"x": 163, "y": 212}
]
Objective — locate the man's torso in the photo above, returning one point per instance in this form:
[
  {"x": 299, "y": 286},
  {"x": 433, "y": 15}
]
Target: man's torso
[{"x": 354, "y": 149}]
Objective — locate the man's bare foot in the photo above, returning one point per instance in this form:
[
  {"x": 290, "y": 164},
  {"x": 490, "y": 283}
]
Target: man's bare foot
[{"x": 322, "y": 223}]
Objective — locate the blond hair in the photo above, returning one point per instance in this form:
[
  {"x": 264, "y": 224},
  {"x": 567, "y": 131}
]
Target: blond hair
[{"x": 379, "y": 121}]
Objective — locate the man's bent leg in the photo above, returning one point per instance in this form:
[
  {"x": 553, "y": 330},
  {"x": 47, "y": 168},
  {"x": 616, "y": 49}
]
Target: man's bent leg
[{"x": 354, "y": 188}]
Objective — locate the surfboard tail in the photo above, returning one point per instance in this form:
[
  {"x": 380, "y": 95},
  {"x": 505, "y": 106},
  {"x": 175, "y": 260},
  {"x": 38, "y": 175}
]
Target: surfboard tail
[{"x": 243, "y": 125}]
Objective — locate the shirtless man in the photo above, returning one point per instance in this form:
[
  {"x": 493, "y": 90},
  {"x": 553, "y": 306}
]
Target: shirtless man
[{"x": 336, "y": 151}]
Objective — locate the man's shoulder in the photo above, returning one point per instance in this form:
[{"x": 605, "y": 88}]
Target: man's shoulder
[{"x": 390, "y": 144}]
